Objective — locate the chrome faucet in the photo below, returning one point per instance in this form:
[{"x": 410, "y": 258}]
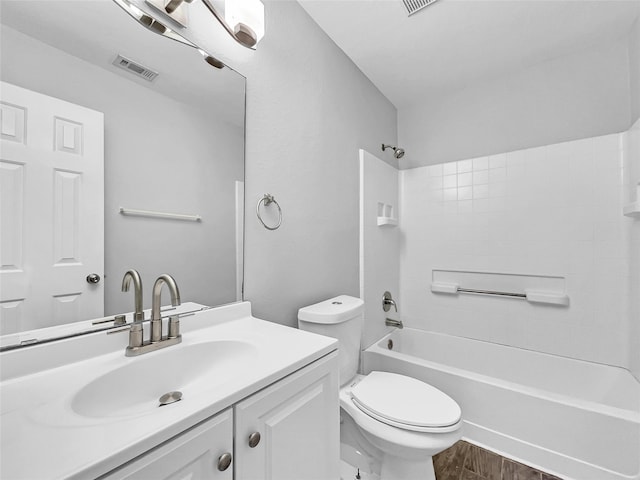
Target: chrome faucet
[
  {"x": 156, "y": 341},
  {"x": 156, "y": 317},
  {"x": 387, "y": 303},
  {"x": 129, "y": 276}
]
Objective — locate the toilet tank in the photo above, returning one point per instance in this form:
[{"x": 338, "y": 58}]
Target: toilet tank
[{"x": 341, "y": 318}]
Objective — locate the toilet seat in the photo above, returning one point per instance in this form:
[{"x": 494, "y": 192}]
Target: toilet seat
[{"x": 406, "y": 403}]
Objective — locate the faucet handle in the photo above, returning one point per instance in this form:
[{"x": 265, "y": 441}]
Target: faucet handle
[
  {"x": 387, "y": 302},
  {"x": 135, "y": 335},
  {"x": 174, "y": 326}
]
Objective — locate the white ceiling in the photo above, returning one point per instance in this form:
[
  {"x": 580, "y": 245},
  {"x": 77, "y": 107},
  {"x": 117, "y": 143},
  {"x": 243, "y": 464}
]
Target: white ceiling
[{"x": 454, "y": 43}]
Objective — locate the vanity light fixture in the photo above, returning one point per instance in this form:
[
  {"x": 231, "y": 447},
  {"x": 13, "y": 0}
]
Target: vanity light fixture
[
  {"x": 149, "y": 22},
  {"x": 242, "y": 19},
  {"x": 155, "y": 26}
]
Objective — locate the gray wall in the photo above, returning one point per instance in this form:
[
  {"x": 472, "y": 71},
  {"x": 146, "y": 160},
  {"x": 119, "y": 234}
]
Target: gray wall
[
  {"x": 582, "y": 95},
  {"x": 634, "y": 67},
  {"x": 159, "y": 155},
  {"x": 309, "y": 110}
]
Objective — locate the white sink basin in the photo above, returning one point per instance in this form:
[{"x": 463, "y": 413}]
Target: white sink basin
[{"x": 135, "y": 388}]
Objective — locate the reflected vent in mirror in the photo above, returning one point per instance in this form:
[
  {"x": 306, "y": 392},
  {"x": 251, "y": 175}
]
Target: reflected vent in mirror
[
  {"x": 414, "y": 6},
  {"x": 135, "y": 68}
]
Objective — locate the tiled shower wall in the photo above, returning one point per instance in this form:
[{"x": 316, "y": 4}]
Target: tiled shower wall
[{"x": 552, "y": 210}]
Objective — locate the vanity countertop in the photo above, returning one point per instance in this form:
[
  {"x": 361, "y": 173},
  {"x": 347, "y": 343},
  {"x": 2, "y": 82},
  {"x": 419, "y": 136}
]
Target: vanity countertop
[{"x": 61, "y": 422}]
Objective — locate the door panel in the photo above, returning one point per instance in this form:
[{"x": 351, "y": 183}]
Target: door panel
[{"x": 52, "y": 212}]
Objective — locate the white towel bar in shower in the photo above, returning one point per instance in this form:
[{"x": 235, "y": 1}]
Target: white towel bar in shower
[{"x": 552, "y": 298}]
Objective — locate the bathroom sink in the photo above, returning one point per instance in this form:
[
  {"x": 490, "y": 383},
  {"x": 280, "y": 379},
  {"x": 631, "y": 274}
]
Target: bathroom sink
[
  {"x": 86, "y": 408},
  {"x": 135, "y": 388}
]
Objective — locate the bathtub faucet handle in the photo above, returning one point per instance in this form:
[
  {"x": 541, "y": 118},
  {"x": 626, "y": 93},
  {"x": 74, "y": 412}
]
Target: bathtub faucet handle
[{"x": 388, "y": 301}]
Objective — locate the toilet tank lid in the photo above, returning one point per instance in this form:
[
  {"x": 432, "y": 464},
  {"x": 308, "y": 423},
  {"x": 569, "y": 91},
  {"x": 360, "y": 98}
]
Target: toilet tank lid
[{"x": 335, "y": 310}]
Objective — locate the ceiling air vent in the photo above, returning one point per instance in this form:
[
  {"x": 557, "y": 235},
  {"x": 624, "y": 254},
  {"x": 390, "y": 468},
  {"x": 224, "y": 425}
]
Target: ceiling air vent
[
  {"x": 135, "y": 68},
  {"x": 415, "y": 5}
]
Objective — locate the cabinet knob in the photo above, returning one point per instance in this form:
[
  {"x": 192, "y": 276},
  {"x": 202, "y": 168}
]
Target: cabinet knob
[
  {"x": 224, "y": 461},
  {"x": 254, "y": 439}
]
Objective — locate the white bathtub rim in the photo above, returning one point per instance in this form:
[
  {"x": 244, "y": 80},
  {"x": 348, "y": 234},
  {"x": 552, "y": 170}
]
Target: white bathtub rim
[
  {"x": 630, "y": 415},
  {"x": 591, "y": 471},
  {"x": 506, "y": 345}
]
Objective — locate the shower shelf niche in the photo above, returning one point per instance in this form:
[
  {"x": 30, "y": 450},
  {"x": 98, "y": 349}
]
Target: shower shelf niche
[
  {"x": 386, "y": 215},
  {"x": 387, "y": 221},
  {"x": 633, "y": 209}
]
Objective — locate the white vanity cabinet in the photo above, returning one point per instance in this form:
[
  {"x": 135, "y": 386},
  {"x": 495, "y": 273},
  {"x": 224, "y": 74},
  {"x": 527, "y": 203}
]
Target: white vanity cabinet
[
  {"x": 239, "y": 375},
  {"x": 194, "y": 454},
  {"x": 297, "y": 422},
  {"x": 288, "y": 430}
]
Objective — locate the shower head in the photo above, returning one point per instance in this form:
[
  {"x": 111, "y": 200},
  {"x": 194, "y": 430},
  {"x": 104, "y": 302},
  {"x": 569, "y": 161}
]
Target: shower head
[{"x": 397, "y": 152}]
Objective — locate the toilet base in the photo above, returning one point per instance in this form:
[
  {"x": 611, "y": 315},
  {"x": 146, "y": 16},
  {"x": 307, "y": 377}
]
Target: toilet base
[
  {"x": 356, "y": 454},
  {"x": 396, "y": 468},
  {"x": 354, "y": 459},
  {"x": 350, "y": 472}
]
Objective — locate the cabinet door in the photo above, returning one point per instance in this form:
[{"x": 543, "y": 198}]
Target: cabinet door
[
  {"x": 193, "y": 455},
  {"x": 298, "y": 419}
]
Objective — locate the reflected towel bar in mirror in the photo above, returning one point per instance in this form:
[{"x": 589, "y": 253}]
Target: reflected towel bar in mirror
[{"x": 153, "y": 214}]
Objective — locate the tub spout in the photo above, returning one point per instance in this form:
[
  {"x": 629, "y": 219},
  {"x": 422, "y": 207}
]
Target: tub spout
[{"x": 390, "y": 322}]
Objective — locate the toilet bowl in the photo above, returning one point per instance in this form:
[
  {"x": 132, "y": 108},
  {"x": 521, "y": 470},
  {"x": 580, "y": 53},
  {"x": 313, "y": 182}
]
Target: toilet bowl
[{"x": 401, "y": 422}]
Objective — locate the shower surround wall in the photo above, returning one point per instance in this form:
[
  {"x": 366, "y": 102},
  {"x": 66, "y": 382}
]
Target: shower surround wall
[
  {"x": 379, "y": 244},
  {"x": 632, "y": 174},
  {"x": 551, "y": 210}
]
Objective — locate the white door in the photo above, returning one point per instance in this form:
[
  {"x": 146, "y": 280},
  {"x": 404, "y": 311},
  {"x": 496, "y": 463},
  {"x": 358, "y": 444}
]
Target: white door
[
  {"x": 52, "y": 210},
  {"x": 297, "y": 422},
  {"x": 202, "y": 453}
]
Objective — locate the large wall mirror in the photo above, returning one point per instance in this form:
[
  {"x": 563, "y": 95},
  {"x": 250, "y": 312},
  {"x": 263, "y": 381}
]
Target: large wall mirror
[{"x": 120, "y": 149}]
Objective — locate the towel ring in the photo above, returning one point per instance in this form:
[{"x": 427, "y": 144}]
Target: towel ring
[{"x": 268, "y": 200}]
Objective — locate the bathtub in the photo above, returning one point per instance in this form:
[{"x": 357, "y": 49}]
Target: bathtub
[{"x": 576, "y": 419}]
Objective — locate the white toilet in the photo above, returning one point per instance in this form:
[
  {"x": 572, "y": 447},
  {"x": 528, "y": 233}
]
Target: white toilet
[{"x": 397, "y": 419}]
